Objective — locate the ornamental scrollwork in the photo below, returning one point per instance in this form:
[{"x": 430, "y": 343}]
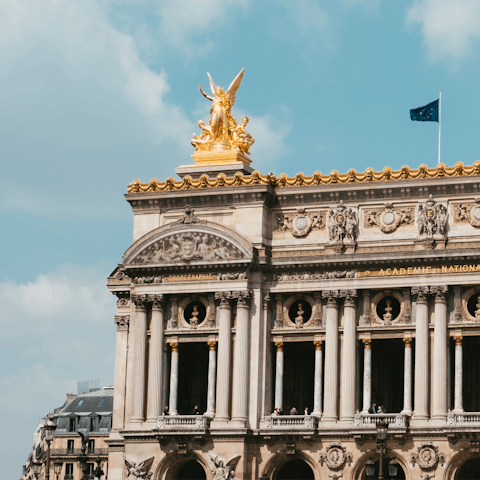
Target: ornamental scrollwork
[
  {"x": 300, "y": 223},
  {"x": 467, "y": 213},
  {"x": 342, "y": 225},
  {"x": 335, "y": 458},
  {"x": 123, "y": 302},
  {"x": 432, "y": 219},
  {"x": 427, "y": 456},
  {"x": 389, "y": 218},
  {"x": 186, "y": 247}
]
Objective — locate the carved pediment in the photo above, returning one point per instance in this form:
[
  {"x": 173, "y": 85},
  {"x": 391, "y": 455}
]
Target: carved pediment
[{"x": 188, "y": 244}]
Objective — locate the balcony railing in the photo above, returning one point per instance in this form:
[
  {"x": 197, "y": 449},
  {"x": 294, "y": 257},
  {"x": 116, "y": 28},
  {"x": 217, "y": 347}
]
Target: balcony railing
[
  {"x": 371, "y": 419},
  {"x": 60, "y": 452},
  {"x": 470, "y": 418},
  {"x": 290, "y": 421},
  {"x": 181, "y": 421}
]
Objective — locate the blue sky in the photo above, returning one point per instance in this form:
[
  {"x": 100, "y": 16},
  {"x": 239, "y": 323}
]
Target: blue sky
[{"x": 94, "y": 94}]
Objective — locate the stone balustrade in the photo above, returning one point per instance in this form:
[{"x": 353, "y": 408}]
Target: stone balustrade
[
  {"x": 290, "y": 421},
  {"x": 371, "y": 420},
  {"x": 181, "y": 421},
  {"x": 462, "y": 419}
]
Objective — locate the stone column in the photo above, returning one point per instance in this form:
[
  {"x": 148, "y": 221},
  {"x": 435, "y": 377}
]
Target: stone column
[
  {"x": 241, "y": 366},
  {"x": 279, "y": 376},
  {"x": 172, "y": 408},
  {"x": 366, "y": 307},
  {"x": 140, "y": 339},
  {"x": 347, "y": 392},
  {"x": 440, "y": 345},
  {"x": 222, "y": 413},
  {"x": 165, "y": 379},
  {"x": 458, "y": 394},
  {"x": 407, "y": 377},
  {"x": 155, "y": 361},
  {"x": 421, "y": 354},
  {"x": 118, "y": 420},
  {"x": 212, "y": 370},
  {"x": 317, "y": 389},
  {"x": 367, "y": 375},
  {"x": 330, "y": 412}
]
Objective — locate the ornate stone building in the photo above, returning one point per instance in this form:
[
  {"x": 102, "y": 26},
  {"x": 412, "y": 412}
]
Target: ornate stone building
[{"x": 334, "y": 294}]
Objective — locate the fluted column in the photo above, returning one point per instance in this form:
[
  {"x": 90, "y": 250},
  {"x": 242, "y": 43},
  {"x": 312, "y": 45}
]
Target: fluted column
[
  {"x": 421, "y": 354},
  {"x": 118, "y": 417},
  {"x": 165, "y": 378},
  {"x": 317, "y": 389},
  {"x": 173, "y": 379},
  {"x": 222, "y": 413},
  {"x": 279, "y": 376},
  {"x": 140, "y": 339},
  {"x": 458, "y": 394},
  {"x": 347, "y": 392},
  {"x": 155, "y": 361},
  {"x": 212, "y": 370},
  {"x": 330, "y": 413},
  {"x": 440, "y": 345},
  {"x": 407, "y": 377},
  {"x": 241, "y": 366},
  {"x": 367, "y": 375}
]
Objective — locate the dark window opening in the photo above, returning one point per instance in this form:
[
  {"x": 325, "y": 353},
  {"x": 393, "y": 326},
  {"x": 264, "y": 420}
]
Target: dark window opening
[
  {"x": 91, "y": 446},
  {"x": 295, "y": 469},
  {"x": 73, "y": 425},
  {"x": 470, "y": 470},
  {"x": 70, "y": 446},
  {"x": 68, "y": 471},
  {"x": 471, "y": 373},
  {"x": 191, "y": 470}
]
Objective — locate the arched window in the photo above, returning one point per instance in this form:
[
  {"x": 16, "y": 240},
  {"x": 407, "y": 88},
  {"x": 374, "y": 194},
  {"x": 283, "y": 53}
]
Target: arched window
[
  {"x": 295, "y": 469},
  {"x": 470, "y": 470},
  {"x": 191, "y": 470}
]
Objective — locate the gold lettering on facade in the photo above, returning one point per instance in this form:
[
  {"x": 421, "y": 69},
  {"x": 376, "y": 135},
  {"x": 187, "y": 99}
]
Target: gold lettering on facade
[
  {"x": 397, "y": 272},
  {"x": 191, "y": 278}
]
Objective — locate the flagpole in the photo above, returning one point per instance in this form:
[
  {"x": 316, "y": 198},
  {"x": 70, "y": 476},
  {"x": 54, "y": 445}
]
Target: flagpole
[{"x": 439, "y": 124}]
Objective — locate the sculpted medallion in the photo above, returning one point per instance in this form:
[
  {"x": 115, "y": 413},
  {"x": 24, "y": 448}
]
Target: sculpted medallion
[
  {"x": 335, "y": 458},
  {"x": 186, "y": 247},
  {"x": 428, "y": 457},
  {"x": 301, "y": 223},
  {"x": 468, "y": 213},
  {"x": 389, "y": 218}
]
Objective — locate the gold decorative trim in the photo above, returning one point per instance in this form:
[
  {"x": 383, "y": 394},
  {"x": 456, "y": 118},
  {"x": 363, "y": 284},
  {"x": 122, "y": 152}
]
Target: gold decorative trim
[{"x": 256, "y": 178}]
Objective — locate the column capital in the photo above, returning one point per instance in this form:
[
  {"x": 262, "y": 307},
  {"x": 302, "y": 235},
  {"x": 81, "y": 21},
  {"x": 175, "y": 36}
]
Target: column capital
[
  {"x": 318, "y": 344},
  {"x": 243, "y": 298},
  {"x": 267, "y": 300},
  {"x": 367, "y": 342},
  {"x": 458, "y": 340},
  {"x": 331, "y": 296},
  {"x": 140, "y": 301},
  {"x": 408, "y": 342},
  {"x": 440, "y": 293},
  {"x": 279, "y": 345},
  {"x": 122, "y": 322},
  {"x": 158, "y": 302},
  {"x": 174, "y": 346},
  {"x": 212, "y": 344},
  {"x": 224, "y": 298},
  {"x": 350, "y": 296},
  {"x": 421, "y": 293}
]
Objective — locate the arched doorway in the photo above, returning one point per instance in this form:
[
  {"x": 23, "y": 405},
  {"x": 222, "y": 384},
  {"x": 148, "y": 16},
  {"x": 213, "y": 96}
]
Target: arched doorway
[
  {"x": 386, "y": 460},
  {"x": 191, "y": 470},
  {"x": 295, "y": 469},
  {"x": 470, "y": 470}
]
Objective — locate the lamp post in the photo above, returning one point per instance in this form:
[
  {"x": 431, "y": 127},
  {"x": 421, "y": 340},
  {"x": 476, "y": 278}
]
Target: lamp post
[
  {"x": 57, "y": 468},
  {"x": 37, "y": 468},
  {"x": 98, "y": 472},
  {"x": 382, "y": 427},
  {"x": 49, "y": 429}
]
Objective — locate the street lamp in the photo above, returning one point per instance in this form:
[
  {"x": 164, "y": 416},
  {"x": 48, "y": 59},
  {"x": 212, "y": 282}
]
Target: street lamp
[
  {"x": 98, "y": 472},
  {"x": 49, "y": 429},
  {"x": 393, "y": 468},
  {"x": 37, "y": 468},
  {"x": 382, "y": 427},
  {"x": 370, "y": 468},
  {"x": 57, "y": 468}
]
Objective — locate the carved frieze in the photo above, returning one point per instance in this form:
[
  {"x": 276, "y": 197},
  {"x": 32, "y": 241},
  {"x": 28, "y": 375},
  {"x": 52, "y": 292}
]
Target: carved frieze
[
  {"x": 289, "y": 277},
  {"x": 389, "y": 218},
  {"x": 193, "y": 277},
  {"x": 467, "y": 213},
  {"x": 432, "y": 219},
  {"x": 300, "y": 223},
  {"x": 187, "y": 247},
  {"x": 335, "y": 458},
  {"x": 342, "y": 225}
]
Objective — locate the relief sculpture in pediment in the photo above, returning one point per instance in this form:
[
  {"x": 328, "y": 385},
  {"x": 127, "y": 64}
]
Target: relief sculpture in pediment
[{"x": 186, "y": 247}]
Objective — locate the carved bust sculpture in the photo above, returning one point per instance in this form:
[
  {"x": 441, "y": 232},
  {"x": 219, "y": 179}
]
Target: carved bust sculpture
[
  {"x": 387, "y": 317},
  {"x": 194, "y": 318},
  {"x": 299, "y": 317}
]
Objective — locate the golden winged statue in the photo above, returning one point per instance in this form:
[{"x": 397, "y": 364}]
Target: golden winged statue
[{"x": 222, "y": 131}]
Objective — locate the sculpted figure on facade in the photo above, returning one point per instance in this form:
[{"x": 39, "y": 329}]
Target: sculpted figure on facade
[
  {"x": 139, "y": 470},
  {"x": 335, "y": 458},
  {"x": 188, "y": 218},
  {"x": 342, "y": 225},
  {"x": 223, "y": 132},
  {"x": 186, "y": 247},
  {"x": 300, "y": 223},
  {"x": 427, "y": 458},
  {"x": 389, "y": 218},
  {"x": 224, "y": 470},
  {"x": 432, "y": 219},
  {"x": 467, "y": 213}
]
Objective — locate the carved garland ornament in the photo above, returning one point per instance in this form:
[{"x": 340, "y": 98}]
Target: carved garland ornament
[
  {"x": 389, "y": 218},
  {"x": 335, "y": 458},
  {"x": 468, "y": 213},
  {"x": 186, "y": 247},
  {"x": 301, "y": 223}
]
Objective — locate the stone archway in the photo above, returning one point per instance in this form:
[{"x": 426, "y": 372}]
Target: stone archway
[
  {"x": 358, "y": 472},
  {"x": 183, "y": 467},
  {"x": 277, "y": 462},
  {"x": 295, "y": 469},
  {"x": 462, "y": 465}
]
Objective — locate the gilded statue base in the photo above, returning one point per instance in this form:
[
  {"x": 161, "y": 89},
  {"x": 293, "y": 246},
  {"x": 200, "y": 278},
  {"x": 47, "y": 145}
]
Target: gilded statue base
[{"x": 220, "y": 157}]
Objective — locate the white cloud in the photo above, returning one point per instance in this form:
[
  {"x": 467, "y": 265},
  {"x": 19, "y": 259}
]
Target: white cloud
[{"x": 450, "y": 28}]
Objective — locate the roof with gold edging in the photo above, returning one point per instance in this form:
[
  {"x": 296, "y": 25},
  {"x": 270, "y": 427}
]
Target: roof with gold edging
[{"x": 282, "y": 181}]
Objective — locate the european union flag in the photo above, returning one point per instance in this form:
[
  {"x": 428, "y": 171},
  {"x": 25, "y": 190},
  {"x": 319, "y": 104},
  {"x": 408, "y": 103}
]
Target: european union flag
[{"x": 428, "y": 113}]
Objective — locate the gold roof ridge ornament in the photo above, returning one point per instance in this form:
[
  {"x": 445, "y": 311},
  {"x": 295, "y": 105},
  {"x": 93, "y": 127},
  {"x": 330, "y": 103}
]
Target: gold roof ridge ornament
[
  {"x": 283, "y": 181},
  {"x": 223, "y": 140}
]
